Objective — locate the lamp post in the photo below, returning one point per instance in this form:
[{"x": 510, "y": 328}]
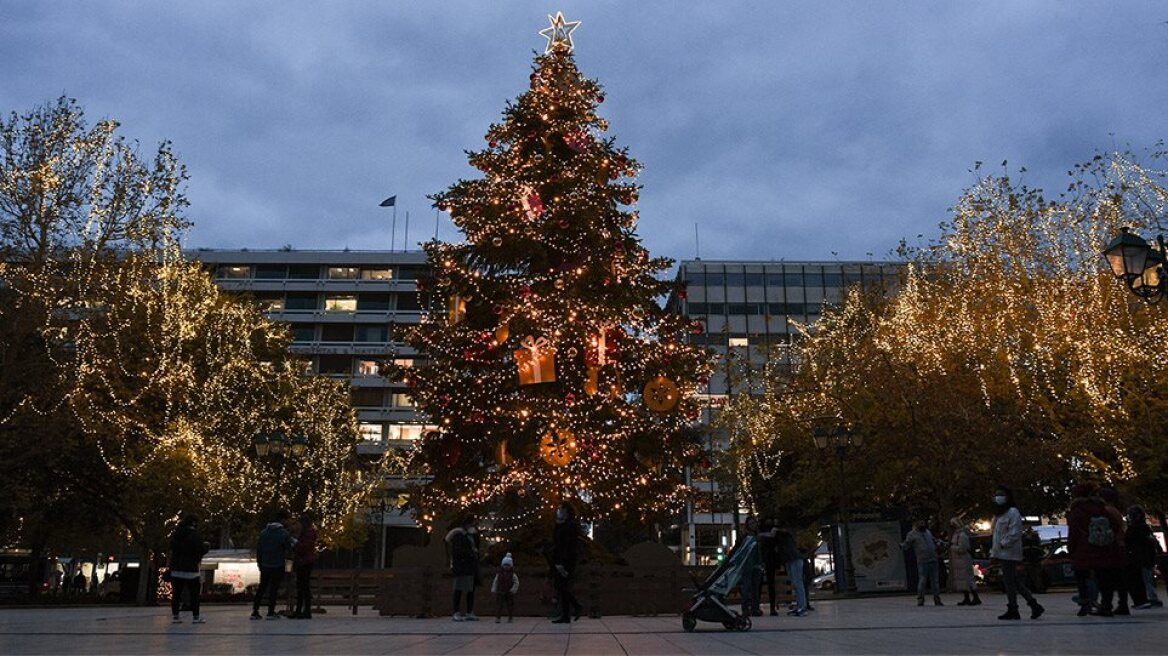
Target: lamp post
[
  {"x": 840, "y": 437},
  {"x": 280, "y": 446},
  {"x": 1138, "y": 264}
]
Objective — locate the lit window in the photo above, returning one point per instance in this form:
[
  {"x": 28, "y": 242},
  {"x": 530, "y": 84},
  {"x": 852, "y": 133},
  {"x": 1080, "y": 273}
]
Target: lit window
[
  {"x": 372, "y": 432},
  {"x": 235, "y": 272},
  {"x": 408, "y": 432},
  {"x": 402, "y": 400},
  {"x": 271, "y": 304},
  {"x": 340, "y": 303},
  {"x": 342, "y": 273},
  {"x": 739, "y": 341},
  {"x": 404, "y": 362},
  {"x": 377, "y": 274},
  {"x": 368, "y": 368}
]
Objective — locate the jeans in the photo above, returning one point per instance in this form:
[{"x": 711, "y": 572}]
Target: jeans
[
  {"x": 927, "y": 573},
  {"x": 191, "y": 587},
  {"x": 304, "y": 589},
  {"x": 1149, "y": 576},
  {"x": 751, "y": 587},
  {"x": 1014, "y": 587},
  {"x": 795, "y": 572},
  {"x": 270, "y": 580}
]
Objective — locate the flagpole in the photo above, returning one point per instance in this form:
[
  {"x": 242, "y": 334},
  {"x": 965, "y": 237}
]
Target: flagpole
[
  {"x": 406, "y": 237},
  {"x": 435, "y": 224},
  {"x": 393, "y": 228}
]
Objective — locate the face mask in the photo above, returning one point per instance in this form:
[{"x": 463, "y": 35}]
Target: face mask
[{"x": 1000, "y": 500}]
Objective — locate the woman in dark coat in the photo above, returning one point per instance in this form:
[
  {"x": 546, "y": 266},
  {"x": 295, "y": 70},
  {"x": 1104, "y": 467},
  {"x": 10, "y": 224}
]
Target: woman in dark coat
[
  {"x": 186, "y": 552},
  {"x": 1098, "y": 551},
  {"x": 464, "y": 565},
  {"x": 565, "y": 541}
]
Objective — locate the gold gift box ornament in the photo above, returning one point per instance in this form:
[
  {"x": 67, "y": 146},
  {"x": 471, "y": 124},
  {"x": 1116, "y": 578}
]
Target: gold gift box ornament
[{"x": 536, "y": 361}]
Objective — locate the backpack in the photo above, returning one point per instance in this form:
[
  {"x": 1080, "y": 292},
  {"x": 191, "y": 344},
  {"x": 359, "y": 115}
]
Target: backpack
[{"x": 1099, "y": 531}]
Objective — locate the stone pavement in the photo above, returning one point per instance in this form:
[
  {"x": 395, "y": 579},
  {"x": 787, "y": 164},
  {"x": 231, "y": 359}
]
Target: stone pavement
[{"x": 887, "y": 625}]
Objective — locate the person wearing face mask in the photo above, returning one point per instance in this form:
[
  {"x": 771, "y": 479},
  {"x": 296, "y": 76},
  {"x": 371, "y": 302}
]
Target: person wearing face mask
[
  {"x": 464, "y": 565},
  {"x": 961, "y": 564},
  {"x": 565, "y": 539},
  {"x": 924, "y": 547},
  {"x": 1007, "y": 553}
]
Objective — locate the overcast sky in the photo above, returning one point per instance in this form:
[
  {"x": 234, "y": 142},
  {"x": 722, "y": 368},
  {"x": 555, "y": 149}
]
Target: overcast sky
[{"x": 796, "y": 130}]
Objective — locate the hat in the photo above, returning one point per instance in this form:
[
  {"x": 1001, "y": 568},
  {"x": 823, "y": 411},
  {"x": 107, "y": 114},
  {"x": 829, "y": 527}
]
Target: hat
[{"x": 507, "y": 561}]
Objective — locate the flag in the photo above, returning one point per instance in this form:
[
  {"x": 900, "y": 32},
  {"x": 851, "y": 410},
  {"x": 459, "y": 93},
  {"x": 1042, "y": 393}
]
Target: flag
[{"x": 389, "y": 202}]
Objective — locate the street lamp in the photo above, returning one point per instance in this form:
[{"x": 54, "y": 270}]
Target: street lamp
[
  {"x": 841, "y": 436},
  {"x": 1138, "y": 264},
  {"x": 279, "y": 445}
]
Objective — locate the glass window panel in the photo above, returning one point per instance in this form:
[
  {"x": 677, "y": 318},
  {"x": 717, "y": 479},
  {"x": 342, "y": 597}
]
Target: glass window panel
[
  {"x": 300, "y": 301},
  {"x": 336, "y": 364},
  {"x": 833, "y": 280},
  {"x": 739, "y": 341},
  {"x": 793, "y": 279},
  {"x": 409, "y": 273},
  {"x": 752, "y": 279},
  {"x": 372, "y": 432},
  {"x": 409, "y": 303},
  {"x": 377, "y": 274},
  {"x": 234, "y": 271},
  {"x": 715, "y": 280},
  {"x": 695, "y": 308},
  {"x": 735, "y": 279},
  {"x": 368, "y": 397},
  {"x": 340, "y": 303},
  {"x": 342, "y": 273},
  {"x": 376, "y": 302},
  {"x": 303, "y": 332},
  {"x": 271, "y": 271},
  {"x": 715, "y": 308},
  {"x": 336, "y": 332},
  {"x": 368, "y": 368},
  {"x": 303, "y": 272},
  {"x": 371, "y": 333}
]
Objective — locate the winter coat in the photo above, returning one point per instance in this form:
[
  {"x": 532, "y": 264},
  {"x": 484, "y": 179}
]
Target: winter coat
[
  {"x": 565, "y": 537},
  {"x": 505, "y": 582},
  {"x": 960, "y": 560},
  {"x": 785, "y": 547},
  {"x": 1007, "y": 536},
  {"x": 923, "y": 544},
  {"x": 1085, "y": 555},
  {"x": 186, "y": 549},
  {"x": 304, "y": 553},
  {"x": 1141, "y": 545},
  {"x": 273, "y": 546},
  {"x": 464, "y": 552}
]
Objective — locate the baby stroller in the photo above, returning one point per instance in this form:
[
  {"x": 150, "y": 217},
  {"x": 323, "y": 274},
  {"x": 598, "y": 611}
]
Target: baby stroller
[{"x": 709, "y": 602}]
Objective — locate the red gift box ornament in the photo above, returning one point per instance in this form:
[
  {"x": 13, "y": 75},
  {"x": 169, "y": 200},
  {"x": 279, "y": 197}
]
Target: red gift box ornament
[
  {"x": 536, "y": 361},
  {"x": 531, "y": 202}
]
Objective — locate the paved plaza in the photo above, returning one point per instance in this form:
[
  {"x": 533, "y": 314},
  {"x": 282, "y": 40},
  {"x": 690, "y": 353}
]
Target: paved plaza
[{"x": 890, "y": 625}]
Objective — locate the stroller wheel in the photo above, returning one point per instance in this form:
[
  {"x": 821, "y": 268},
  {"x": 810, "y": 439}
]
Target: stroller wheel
[
  {"x": 743, "y": 623},
  {"x": 688, "y": 622}
]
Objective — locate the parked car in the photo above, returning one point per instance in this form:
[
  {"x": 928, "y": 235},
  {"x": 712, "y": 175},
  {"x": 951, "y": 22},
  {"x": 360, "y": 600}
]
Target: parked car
[
  {"x": 825, "y": 582},
  {"x": 1049, "y": 563}
]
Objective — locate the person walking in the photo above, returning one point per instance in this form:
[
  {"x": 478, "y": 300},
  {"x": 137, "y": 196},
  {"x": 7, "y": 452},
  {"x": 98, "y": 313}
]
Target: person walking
[
  {"x": 1007, "y": 553},
  {"x": 750, "y": 586},
  {"x": 924, "y": 547},
  {"x": 1114, "y": 583},
  {"x": 788, "y": 552},
  {"x": 463, "y": 541},
  {"x": 187, "y": 549},
  {"x": 565, "y": 539},
  {"x": 1141, "y": 556},
  {"x": 768, "y": 548},
  {"x": 272, "y": 549},
  {"x": 505, "y": 586},
  {"x": 961, "y": 564},
  {"x": 303, "y": 559}
]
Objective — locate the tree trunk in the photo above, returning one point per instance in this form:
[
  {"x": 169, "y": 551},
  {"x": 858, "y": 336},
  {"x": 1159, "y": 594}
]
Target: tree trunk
[{"x": 146, "y": 588}]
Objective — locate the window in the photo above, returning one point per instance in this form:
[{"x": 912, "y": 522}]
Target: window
[
  {"x": 715, "y": 280},
  {"x": 373, "y": 302},
  {"x": 405, "y": 362},
  {"x": 270, "y": 302},
  {"x": 342, "y": 273},
  {"x": 409, "y": 273},
  {"x": 833, "y": 280},
  {"x": 371, "y": 432},
  {"x": 371, "y": 333},
  {"x": 695, "y": 308},
  {"x": 234, "y": 272},
  {"x": 746, "y": 308},
  {"x": 735, "y": 280},
  {"x": 346, "y": 303},
  {"x": 409, "y": 303},
  {"x": 402, "y": 400},
  {"x": 300, "y": 301},
  {"x": 780, "y": 309},
  {"x": 336, "y": 332},
  {"x": 336, "y": 364},
  {"x": 739, "y": 341},
  {"x": 271, "y": 272},
  {"x": 408, "y": 432},
  {"x": 853, "y": 278},
  {"x": 303, "y": 272},
  {"x": 752, "y": 279},
  {"x": 368, "y": 397},
  {"x": 303, "y": 332},
  {"x": 368, "y": 368},
  {"x": 715, "y": 308},
  {"x": 376, "y": 274}
]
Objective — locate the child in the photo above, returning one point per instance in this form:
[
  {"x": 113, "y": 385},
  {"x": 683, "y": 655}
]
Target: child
[{"x": 504, "y": 587}]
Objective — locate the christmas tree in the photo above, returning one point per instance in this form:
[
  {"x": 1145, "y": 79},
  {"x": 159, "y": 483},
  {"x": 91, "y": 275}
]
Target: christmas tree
[{"x": 554, "y": 371}]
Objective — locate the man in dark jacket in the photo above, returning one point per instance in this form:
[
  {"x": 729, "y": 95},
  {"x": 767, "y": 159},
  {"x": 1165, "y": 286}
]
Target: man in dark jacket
[
  {"x": 271, "y": 550},
  {"x": 1141, "y": 558},
  {"x": 1095, "y": 540},
  {"x": 565, "y": 537},
  {"x": 304, "y": 557},
  {"x": 463, "y": 542},
  {"x": 186, "y": 552},
  {"x": 788, "y": 554}
]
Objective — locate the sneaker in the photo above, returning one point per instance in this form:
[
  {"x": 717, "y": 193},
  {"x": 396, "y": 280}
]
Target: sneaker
[
  {"x": 798, "y": 612},
  {"x": 1144, "y": 606},
  {"x": 457, "y": 617},
  {"x": 470, "y": 617},
  {"x": 256, "y": 616},
  {"x": 1084, "y": 611},
  {"x": 198, "y": 620},
  {"x": 1156, "y": 603},
  {"x": 176, "y": 620}
]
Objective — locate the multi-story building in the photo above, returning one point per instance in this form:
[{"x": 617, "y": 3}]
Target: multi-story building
[
  {"x": 342, "y": 308},
  {"x": 746, "y": 308}
]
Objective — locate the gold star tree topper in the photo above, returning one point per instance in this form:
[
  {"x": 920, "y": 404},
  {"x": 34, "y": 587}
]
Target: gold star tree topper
[{"x": 560, "y": 33}]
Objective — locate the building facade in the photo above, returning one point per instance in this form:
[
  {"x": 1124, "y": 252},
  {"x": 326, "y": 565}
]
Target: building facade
[{"x": 746, "y": 308}]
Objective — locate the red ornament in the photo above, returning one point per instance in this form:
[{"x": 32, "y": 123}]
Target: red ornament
[
  {"x": 467, "y": 354},
  {"x": 531, "y": 134},
  {"x": 682, "y": 294},
  {"x": 444, "y": 400},
  {"x": 493, "y": 143},
  {"x": 499, "y": 309},
  {"x": 600, "y": 98},
  {"x": 477, "y": 417},
  {"x": 622, "y": 160},
  {"x": 696, "y": 327},
  {"x": 569, "y": 398},
  {"x": 532, "y": 77},
  {"x": 564, "y": 224},
  {"x": 613, "y": 175}
]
